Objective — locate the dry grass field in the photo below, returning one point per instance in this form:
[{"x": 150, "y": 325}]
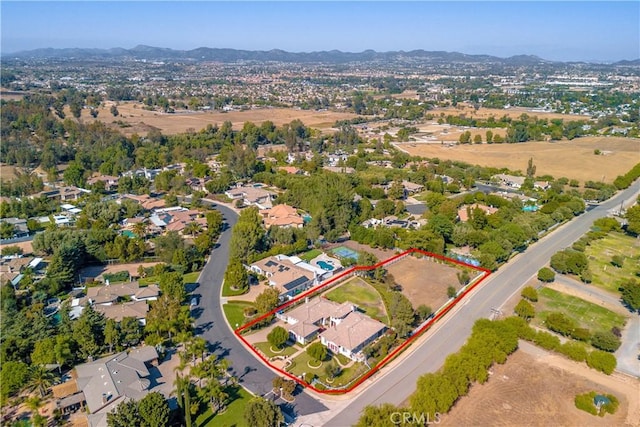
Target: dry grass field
[
  {"x": 571, "y": 159},
  {"x": 142, "y": 120},
  {"x": 8, "y": 172},
  {"x": 539, "y": 391},
  {"x": 424, "y": 281},
  {"x": 514, "y": 113}
]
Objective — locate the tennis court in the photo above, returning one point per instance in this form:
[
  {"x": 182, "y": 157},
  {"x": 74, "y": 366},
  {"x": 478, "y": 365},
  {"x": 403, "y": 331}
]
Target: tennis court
[{"x": 344, "y": 252}]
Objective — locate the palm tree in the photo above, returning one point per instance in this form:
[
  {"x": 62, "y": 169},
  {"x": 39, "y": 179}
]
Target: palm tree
[
  {"x": 34, "y": 403},
  {"x": 183, "y": 387},
  {"x": 192, "y": 228},
  {"x": 40, "y": 379},
  {"x": 140, "y": 229}
]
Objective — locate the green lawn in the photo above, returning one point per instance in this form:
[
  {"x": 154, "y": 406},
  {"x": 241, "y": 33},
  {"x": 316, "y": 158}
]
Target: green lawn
[
  {"x": 187, "y": 278},
  {"x": 346, "y": 376},
  {"x": 228, "y": 292},
  {"x": 308, "y": 256},
  {"x": 234, "y": 312},
  {"x": 300, "y": 365},
  {"x": 265, "y": 347},
  {"x": 361, "y": 294},
  {"x": 233, "y": 416},
  {"x": 600, "y": 252},
  {"x": 191, "y": 277},
  {"x": 586, "y": 314}
]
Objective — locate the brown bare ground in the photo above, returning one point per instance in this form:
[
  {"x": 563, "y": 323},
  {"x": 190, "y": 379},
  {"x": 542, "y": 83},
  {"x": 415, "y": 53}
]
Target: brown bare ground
[
  {"x": 534, "y": 388},
  {"x": 142, "y": 120},
  {"x": 514, "y": 113},
  {"x": 424, "y": 281},
  {"x": 8, "y": 172},
  {"x": 27, "y": 247},
  {"x": 572, "y": 159}
]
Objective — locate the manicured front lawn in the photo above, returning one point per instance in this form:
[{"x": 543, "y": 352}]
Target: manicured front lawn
[
  {"x": 600, "y": 252},
  {"x": 233, "y": 416},
  {"x": 265, "y": 347},
  {"x": 300, "y": 365},
  {"x": 234, "y": 312},
  {"x": 586, "y": 314},
  {"x": 308, "y": 256},
  {"x": 191, "y": 277},
  {"x": 346, "y": 376},
  {"x": 186, "y": 278},
  {"x": 365, "y": 296},
  {"x": 228, "y": 292}
]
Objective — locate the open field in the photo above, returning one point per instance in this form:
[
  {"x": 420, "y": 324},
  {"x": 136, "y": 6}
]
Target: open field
[
  {"x": 539, "y": 390},
  {"x": 584, "y": 313},
  {"x": 600, "y": 252},
  {"x": 363, "y": 295},
  {"x": 572, "y": 159},
  {"x": 142, "y": 120},
  {"x": 514, "y": 113},
  {"x": 424, "y": 281}
]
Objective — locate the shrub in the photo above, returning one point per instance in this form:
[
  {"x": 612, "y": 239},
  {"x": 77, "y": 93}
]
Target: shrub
[
  {"x": 278, "y": 336},
  {"x": 560, "y": 323},
  {"x": 546, "y": 275},
  {"x": 524, "y": 309},
  {"x": 546, "y": 340},
  {"x": 586, "y": 276},
  {"x": 585, "y": 402},
  {"x": 606, "y": 341},
  {"x": 574, "y": 351},
  {"x": 617, "y": 261},
  {"x": 530, "y": 294},
  {"x": 602, "y": 361},
  {"x": 581, "y": 334},
  {"x": 317, "y": 351},
  {"x": 451, "y": 292},
  {"x": 569, "y": 261}
]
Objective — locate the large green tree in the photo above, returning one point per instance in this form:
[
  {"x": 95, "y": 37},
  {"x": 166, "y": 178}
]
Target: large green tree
[
  {"x": 153, "y": 410},
  {"x": 263, "y": 413}
]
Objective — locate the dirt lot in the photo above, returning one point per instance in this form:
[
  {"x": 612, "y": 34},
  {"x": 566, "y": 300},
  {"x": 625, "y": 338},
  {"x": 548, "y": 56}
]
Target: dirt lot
[
  {"x": 424, "y": 281},
  {"x": 571, "y": 159},
  {"x": 142, "y": 121},
  {"x": 535, "y": 388}
]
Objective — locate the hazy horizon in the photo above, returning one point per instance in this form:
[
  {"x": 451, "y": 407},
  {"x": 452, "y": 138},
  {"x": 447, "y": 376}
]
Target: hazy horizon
[{"x": 560, "y": 31}]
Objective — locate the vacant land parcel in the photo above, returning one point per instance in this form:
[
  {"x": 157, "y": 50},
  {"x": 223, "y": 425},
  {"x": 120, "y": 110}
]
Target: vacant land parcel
[
  {"x": 134, "y": 114},
  {"x": 528, "y": 392},
  {"x": 572, "y": 159},
  {"x": 425, "y": 281},
  {"x": 600, "y": 253}
]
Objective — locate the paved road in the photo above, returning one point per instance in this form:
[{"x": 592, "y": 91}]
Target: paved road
[
  {"x": 396, "y": 385},
  {"x": 212, "y": 326}
]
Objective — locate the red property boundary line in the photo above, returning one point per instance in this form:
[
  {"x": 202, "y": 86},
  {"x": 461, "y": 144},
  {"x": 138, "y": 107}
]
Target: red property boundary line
[{"x": 444, "y": 310}]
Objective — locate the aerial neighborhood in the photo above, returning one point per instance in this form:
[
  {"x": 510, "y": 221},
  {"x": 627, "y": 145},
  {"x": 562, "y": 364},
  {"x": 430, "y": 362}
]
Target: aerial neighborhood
[{"x": 216, "y": 237}]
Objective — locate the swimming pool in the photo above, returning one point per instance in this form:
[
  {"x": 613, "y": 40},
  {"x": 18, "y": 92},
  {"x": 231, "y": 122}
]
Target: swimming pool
[{"x": 325, "y": 265}]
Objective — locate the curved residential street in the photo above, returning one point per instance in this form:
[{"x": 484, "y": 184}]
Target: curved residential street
[
  {"x": 211, "y": 325},
  {"x": 397, "y": 384}
]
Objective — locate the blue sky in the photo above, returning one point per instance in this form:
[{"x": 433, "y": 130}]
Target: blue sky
[{"x": 574, "y": 30}]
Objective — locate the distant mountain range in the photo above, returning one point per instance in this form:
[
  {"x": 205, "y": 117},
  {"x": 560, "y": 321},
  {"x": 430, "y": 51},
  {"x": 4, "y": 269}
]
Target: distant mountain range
[{"x": 143, "y": 52}]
